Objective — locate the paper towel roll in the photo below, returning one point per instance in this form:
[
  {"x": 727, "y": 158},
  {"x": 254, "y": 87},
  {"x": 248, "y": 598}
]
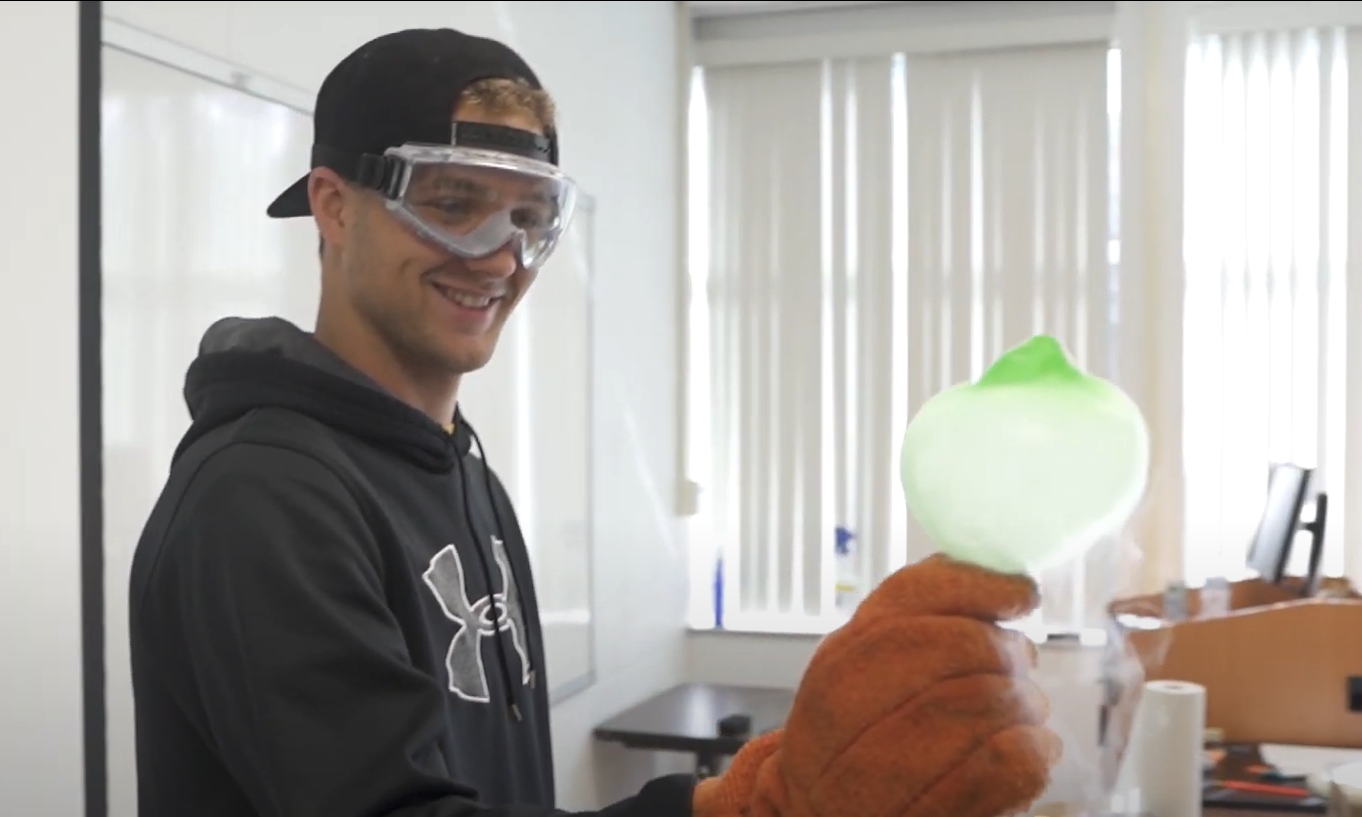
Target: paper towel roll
[{"x": 1162, "y": 768}]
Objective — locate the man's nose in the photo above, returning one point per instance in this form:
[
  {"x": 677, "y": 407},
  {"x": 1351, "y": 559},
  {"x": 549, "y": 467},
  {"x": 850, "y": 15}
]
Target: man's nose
[{"x": 501, "y": 264}]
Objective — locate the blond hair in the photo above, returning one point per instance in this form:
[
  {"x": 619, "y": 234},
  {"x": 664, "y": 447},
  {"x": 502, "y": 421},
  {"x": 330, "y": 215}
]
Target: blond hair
[{"x": 511, "y": 96}]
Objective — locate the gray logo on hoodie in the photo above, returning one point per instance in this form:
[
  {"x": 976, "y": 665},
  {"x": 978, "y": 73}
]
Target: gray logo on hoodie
[{"x": 487, "y": 616}]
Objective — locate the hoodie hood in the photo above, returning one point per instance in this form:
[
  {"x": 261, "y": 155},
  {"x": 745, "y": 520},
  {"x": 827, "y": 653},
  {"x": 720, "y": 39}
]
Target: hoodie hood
[{"x": 246, "y": 364}]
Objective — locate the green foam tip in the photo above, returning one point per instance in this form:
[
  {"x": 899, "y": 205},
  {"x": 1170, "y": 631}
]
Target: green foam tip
[{"x": 1027, "y": 467}]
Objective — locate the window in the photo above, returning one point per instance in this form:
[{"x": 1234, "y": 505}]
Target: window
[
  {"x": 1266, "y": 233},
  {"x": 866, "y": 232}
]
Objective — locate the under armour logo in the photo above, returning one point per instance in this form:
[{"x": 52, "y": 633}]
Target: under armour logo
[{"x": 487, "y": 616}]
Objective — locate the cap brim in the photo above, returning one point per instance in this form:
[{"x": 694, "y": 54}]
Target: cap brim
[{"x": 292, "y": 203}]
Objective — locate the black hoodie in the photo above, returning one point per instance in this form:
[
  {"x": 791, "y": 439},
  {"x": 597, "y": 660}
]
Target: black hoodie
[{"x": 331, "y": 608}]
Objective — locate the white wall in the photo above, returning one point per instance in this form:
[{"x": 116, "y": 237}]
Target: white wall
[
  {"x": 612, "y": 68},
  {"x": 41, "y": 747}
]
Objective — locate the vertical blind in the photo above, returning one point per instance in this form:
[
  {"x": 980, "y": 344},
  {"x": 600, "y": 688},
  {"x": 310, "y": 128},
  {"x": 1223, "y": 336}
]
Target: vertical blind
[
  {"x": 1266, "y": 238},
  {"x": 1009, "y": 233},
  {"x": 876, "y": 230}
]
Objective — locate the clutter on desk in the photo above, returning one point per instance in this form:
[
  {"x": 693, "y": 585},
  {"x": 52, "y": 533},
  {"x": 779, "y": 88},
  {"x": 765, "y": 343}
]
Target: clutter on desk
[
  {"x": 1301, "y": 761},
  {"x": 1242, "y": 779},
  {"x": 1265, "y": 647},
  {"x": 1269, "y": 664}
]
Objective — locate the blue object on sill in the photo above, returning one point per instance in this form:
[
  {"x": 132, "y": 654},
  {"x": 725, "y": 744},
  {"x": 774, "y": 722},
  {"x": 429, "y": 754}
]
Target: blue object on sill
[{"x": 719, "y": 593}]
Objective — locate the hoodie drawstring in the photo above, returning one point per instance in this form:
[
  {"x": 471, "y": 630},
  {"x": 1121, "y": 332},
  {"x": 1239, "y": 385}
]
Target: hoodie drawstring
[{"x": 511, "y": 578}]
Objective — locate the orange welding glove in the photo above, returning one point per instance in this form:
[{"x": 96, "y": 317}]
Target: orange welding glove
[{"x": 920, "y": 706}]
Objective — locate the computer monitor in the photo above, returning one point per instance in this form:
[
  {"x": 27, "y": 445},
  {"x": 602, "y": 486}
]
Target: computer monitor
[{"x": 1288, "y": 491}]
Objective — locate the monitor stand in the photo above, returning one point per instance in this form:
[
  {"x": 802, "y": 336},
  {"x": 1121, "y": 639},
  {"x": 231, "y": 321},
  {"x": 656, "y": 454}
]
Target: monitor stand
[{"x": 1315, "y": 527}]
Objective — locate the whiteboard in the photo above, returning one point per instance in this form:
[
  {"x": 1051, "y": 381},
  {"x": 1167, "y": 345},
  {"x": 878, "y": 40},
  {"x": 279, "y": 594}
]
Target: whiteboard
[{"x": 189, "y": 165}]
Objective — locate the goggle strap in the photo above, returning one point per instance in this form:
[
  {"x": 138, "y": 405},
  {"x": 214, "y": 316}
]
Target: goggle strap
[
  {"x": 501, "y": 138},
  {"x": 381, "y": 173}
]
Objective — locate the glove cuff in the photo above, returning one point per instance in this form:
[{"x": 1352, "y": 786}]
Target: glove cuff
[{"x": 733, "y": 793}]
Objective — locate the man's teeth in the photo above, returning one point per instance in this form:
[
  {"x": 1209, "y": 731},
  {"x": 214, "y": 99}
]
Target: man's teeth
[
  {"x": 466, "y": 299},
  {"x": 474, "y": 301}
]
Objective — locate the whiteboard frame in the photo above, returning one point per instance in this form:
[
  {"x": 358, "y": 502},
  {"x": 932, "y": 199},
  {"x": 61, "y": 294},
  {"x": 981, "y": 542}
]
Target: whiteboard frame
[
  {"x": 586, "y": 206},
  {"x": 138, "y": 42},
  {"x": 129, "y": 39}
]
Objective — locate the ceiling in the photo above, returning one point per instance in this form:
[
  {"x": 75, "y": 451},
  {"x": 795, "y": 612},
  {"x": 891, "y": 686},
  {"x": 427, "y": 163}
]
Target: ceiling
[{"x": 727, "y": 8}]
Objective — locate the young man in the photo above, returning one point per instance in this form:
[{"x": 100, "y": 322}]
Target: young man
[{"x": 332, "y": 613}]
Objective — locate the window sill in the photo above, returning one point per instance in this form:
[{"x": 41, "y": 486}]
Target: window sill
[
  {"x": 758, "y": 624},
  {"x": 776, "y": 626}
]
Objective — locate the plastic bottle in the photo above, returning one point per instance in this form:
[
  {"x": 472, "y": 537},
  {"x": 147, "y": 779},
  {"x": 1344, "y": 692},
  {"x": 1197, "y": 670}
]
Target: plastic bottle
[
  {"x": 847, "y": 594},
  {"x": 1215, "y": 597},
  {"x": 719, "y": 592},
  {"x": 1175, "y": 601}
]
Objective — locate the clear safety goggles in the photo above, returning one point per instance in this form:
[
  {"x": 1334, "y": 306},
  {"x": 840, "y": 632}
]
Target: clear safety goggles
[{"x": 475, "y": 201}]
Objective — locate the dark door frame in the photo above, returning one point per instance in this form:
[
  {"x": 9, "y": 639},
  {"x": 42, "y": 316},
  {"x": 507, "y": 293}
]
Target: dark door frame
[{"x": 89, "y": 274}]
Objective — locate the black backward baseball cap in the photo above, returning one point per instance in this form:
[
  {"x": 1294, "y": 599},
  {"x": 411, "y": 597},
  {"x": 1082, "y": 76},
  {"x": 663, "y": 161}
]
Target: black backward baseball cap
[{"x": 399, "y": 88}]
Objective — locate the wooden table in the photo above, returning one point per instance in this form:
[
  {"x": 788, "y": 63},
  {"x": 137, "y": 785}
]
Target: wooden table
[{"x": 685, "y": 718}]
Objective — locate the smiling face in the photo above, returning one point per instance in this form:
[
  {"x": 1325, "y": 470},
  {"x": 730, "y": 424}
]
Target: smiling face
[{"x": 436, "y": 314}]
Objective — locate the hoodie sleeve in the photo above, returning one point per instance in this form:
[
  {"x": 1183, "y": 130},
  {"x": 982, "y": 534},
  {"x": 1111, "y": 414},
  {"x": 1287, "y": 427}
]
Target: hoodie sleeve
[{"x": 295, "y": 667}]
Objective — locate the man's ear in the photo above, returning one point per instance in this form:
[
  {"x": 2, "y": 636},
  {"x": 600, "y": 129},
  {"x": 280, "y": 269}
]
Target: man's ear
[{"x": 333, "y": 205}]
